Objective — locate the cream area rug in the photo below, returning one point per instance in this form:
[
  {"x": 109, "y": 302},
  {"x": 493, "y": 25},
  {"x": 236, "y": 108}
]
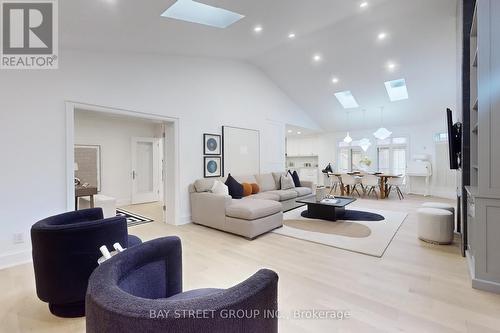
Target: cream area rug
[{"x": 366, "y": 237}]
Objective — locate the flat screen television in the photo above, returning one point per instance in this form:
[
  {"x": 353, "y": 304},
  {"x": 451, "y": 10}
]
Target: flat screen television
[{"x": 454, "y": 141}]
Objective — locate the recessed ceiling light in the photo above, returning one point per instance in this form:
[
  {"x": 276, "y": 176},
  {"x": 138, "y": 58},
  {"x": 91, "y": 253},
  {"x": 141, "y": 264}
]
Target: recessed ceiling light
[
  {"x": 364, "y": 4},
  {"x": 391, "y": 66},
  {"x": 397, "y": 90},
  {"x": 290, "y": 131},
  {"x": 258, "y": 29},
  {"x": 347, "y": 100},
  {"x": 335, "y": 80},
  {"x": 317, "y": 57},
  {"x": 299, "y": 133},
  {"x": 195, "y": 12},
  {"x": 382, "y": 36},
  {"x": 291, "y": 35}
]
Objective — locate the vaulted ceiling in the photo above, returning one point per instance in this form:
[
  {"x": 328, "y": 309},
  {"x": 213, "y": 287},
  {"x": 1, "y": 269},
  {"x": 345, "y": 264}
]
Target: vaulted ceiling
[{"x": 421, "y": 42}]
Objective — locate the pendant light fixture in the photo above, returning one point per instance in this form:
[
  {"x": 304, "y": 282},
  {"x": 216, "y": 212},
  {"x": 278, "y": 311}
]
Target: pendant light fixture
[
  {"x": 365, "y": 143},
  {"x": 382, "y": 133},
  {"x": 348, "y": 138}
]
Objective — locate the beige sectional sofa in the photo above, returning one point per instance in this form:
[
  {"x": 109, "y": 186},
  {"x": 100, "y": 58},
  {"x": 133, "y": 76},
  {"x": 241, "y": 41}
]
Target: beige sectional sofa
[{"x": 251, "y": 216}]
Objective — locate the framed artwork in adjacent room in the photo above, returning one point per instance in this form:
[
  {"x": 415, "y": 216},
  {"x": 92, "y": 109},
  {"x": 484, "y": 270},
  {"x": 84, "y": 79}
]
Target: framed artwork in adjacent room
[
  {"x": 88, "y": 164},
  {"x": 212, "y": 144},
  {"x": 213, "y": 166}
]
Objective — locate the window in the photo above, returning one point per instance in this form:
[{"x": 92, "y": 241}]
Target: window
[
  {"x": 384, "y": 161},
  {"x": 391, "y": 155},
  {"x": 347, "y": 100},
  {"x": 385, "y": 142},
  {"x": 196, "y": 12},
  {"x": 343, "y": 144},
  {"x": 441, "y": 137},
  {"x": 349, "y": 157},
  {"x": 399, "y": 161},
  {"x": 399, "y": 141},
  {"x": 356, "y": 157},
  {"x": 397, "y": 90},
  {"x": 344, "y": 159}
]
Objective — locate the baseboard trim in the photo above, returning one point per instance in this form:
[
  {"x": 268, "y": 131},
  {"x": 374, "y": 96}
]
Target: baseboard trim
[
  {"x": 492, "y": 287},
  {"x": 185, "y": 220},
  {"x": 489, "y": 286},
  {"x": 11, "y": 259},
  {"x": 470, "y": 264},
  {"x": 123, "y": 202}
]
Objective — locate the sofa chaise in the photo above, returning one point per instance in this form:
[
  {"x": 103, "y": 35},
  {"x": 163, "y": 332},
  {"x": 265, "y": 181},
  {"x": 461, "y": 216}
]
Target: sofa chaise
[{"x": 251, "y": 216}]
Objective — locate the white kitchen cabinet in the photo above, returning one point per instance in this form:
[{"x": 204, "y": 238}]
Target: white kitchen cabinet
[
  {"x": 306, "y": 146},
  {"x": 292, "y": 148}
]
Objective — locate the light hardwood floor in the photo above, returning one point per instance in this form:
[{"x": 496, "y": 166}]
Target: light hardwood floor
[{"x": 415, "y": 287}]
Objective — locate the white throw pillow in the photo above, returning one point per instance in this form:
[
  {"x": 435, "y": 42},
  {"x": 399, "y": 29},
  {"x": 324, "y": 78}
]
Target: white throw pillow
[
  {"x": 219, "y": 188},
  {"x": 287, "y": 182}
]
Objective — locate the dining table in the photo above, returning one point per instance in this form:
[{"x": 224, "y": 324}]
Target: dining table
[{"x": 384, "y": 177}]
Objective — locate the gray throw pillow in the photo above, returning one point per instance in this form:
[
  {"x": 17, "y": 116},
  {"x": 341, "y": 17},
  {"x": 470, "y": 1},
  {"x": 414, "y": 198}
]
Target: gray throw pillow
[
  {"x": 277, "y": 179},
  {"x": 287, "y": 182}
]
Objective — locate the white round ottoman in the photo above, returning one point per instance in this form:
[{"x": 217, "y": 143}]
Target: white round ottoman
[
  {"x": 435, "y": 225},
  {"x": 439, "y": 205}
]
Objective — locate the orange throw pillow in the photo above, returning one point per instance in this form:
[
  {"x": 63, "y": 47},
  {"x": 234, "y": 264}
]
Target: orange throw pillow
[
  {"x": 255, "y": 188},
  {"x": 247, "y": 189}
]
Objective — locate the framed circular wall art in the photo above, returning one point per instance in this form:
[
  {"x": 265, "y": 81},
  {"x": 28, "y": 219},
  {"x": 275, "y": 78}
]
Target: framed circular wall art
[
  {"x": 211, "y": 144},
  {"x": 213, "y": 167}
]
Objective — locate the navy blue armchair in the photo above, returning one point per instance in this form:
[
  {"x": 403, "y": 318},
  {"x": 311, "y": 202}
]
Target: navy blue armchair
[
  {"x": 140, "y": 290},
  {"x": 65, "y": 253}
]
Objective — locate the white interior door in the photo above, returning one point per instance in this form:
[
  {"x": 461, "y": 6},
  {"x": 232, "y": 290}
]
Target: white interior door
[{"x": 145, "y": 170}]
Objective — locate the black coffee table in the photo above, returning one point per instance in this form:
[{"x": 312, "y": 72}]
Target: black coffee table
[{"x": 325, "y": 211}]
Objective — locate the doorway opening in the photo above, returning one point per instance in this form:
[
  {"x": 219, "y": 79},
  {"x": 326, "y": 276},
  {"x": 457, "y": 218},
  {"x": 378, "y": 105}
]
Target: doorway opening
[{"x": 124, "y": 162}]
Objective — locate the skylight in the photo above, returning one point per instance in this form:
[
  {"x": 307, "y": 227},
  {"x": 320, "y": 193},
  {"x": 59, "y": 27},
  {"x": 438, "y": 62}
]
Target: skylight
[
  {"x": 196, "y": 12},
  {"x": 397, "y": 90},
  {"x": 347, "y": 100}
]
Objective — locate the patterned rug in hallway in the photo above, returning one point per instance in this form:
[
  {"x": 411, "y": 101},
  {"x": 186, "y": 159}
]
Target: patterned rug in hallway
[
  {"x": 365, "y": 236},
  {"x": 133, "y": 219}
]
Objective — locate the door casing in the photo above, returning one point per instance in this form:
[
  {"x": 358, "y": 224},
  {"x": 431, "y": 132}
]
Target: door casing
[{"x": 154, "y": 195}]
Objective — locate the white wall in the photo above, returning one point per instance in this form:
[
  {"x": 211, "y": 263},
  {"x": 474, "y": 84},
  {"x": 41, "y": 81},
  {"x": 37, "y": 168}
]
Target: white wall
[
  {"x": 203, "y": 93},
  {"x": 421, "y": 141},
  {"x": 114, "y": 134},
  {"x": 273, "y": 154}
]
